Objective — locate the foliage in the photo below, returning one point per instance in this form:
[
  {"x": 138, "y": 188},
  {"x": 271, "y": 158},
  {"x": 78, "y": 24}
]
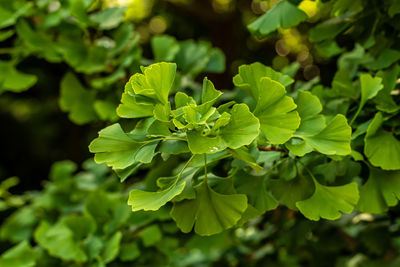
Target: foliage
[
  {"x": 97, "y": 44},
  {"x": 240, "y": 132},
  {"x": 81, "y": 219},
  {"x": 240, "y": 176}
]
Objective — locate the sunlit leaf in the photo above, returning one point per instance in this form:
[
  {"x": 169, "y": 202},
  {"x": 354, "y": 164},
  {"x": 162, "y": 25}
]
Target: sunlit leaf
[
  {"x": 284, "y": 14},
  {"x": 210, "y": 213}
]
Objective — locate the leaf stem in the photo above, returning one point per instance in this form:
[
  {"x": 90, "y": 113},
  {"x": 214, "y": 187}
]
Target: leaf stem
[
  {"x": 356, "y": 115},
  {"x": 205, "y": 168},
  {"x": 183, "y": 168}
]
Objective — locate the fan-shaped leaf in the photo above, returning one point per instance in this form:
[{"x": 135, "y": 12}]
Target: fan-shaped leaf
[
  {"x": 284, "y": 15},
  {"x": 210, "y": 213}
]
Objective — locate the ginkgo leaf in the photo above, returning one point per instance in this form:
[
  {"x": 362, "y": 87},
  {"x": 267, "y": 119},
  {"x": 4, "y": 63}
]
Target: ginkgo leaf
[
  {"x": 328, "y": 201},
  {"x": 200, "y": 144},
  {"x": 242, "y": 128},
  {"x": 255, "y": 189},
  {"x": 284, "y": 14},
  {"x": 59, "y": 241},
  {"x": 386, "y": 58},
  {"x": 20, "y": 255},
  {"x": 314, "y": 134},
  {"x": 249, "y": 78},
  {"x": 118, "y": 150},
  {"x": 384, "y": 98},
  {"x": 77, "y": 100},
  {"x": 130, "y": 108},
  {"x": 13, "y": 80},
  {"x": 369, "y": 89},
  {"x": 155, "y": 82},
  {"x": 328, "y": 29},
  {"x": 182, "y": 99},
  {"x": 334, "y": 139},
  {"x": 143, "y": 200},
  {"x": 381, "y": 147},
  {"x": 309, "y": 107},
  {"x": 289, "y": 192},
  {"x": 276, "y": 112},
  {"x": 210, "y": 213},
  {"x": 381, "y": 191},
  {"x": 164, "y": 47},
  {"x": 209, "y": 94}
]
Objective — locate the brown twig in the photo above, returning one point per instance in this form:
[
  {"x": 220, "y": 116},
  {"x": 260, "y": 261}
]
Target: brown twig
[{"x": 271, "y": 149}]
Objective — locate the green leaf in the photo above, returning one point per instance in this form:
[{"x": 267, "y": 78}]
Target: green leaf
[
  {"x": 4, "y": 35},
  {"x": 209, "y": 94},
  {"x": 328, "y": 201},
  {"x": 334, "y": 139},
  {"x": 111, "y": 248},
  {"x": 62, "y": 170},
  {"x": 21, "y": 255},
  {"x": 162, "y": 112},
  {"x": 76, "y": 100},
  {"x": 369, "y": 89},
  {"x": 118, "y": 150},
  {"x": 182, "y": 99},
  {"x": 242, "y": 128},
  {"x": 249, "y": 78},
  {"x": 210, "y": 213},
  {"x": 284, "y": 14},
  {"x": 105, "y": 110},
  {"x": 143, "y": 200},
  {"x": 342, "y": 6},
  {"x": 289, "y": 192},
  {"x": 108, "y": 18},
  {"x": 19, "y": 226},
  {"x": 173, "y": 147},
  {"x": 329, "y": 49},
  {"x": 164, "y": 47},
  {"x": 255, "y": 189},
  {"x": 342, "y": 84},
  {"x": 384, "y": 98},
  {"x": 276, "y": 112},
  {"x": 11, "y": 11},
  {"x": 81, "y": 225},
  {"x": 130, "y": 108},
  {"x": 385, "y": 59},
  {"x": 129, "y": 251},
  {"x": 59, "y": 241},
  {"x": 155, "y": 82},
  {"x": 37, "y": 42},
  {"x": 200, "y": 144},
  {"x": 216, "y": 62},
  {"x": 194, "y": 58},
  {"x": 328, "y": 29},
  {"x": 381, "y": 191},
  {"x": 151, "y": 235},
  {"x": 309, "y": 107},
  {"x": 13, "y": 80},
  {"x": 381, "y": 147},
  {"x": 78, "y": 9}
]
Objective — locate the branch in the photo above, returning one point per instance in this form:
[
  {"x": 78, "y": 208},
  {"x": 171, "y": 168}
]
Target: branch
[{"x": 271, "y": 149}]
